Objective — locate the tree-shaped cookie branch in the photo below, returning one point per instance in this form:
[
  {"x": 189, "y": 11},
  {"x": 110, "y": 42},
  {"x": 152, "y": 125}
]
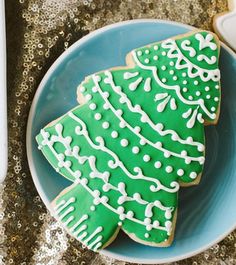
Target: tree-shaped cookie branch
[{"x": 136, "y": 139}]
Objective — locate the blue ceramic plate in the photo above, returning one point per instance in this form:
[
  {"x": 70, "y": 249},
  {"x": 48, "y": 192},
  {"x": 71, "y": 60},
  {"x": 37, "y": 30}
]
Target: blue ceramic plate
[{"x": 207, "y": 212}]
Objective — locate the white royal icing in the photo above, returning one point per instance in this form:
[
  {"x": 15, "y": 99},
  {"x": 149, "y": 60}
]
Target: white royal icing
[
  {"x": 172, "y": 46},
  {"x": 147, "y": 119}
]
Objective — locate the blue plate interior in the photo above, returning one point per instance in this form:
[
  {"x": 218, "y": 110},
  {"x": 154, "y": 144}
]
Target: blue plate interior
[{"x": 206, "y": 212}]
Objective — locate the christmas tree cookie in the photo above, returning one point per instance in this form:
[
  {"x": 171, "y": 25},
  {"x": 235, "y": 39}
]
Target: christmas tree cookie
[{"x": 135, "y": 139}]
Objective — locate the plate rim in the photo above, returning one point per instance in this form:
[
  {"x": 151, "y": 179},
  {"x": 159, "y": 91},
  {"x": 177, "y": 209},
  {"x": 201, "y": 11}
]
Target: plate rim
[{"x": 29, "y": 136}]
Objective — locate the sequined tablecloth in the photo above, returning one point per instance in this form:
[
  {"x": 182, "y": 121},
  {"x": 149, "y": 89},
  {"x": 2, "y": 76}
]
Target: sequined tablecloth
[{"x": 38, "y": 31}]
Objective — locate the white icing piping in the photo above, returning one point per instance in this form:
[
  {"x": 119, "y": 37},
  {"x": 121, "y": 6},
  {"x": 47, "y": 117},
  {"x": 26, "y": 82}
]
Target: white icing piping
[
  {"x": 192, "y": 120},
  {"x": 175, "y": 87},
  {"x": 147, "y": 84},
  {"x": 172, "y": 46},
  {"x": 98, "y": 239},
  {"x": 161, "y": 106},
  {"x": 104, "y": 176},
  {"x": 202, "y": 57},
  {"x": 97, "y": 231},
  {"x": 118, "y": 163},
  {"x": 128, "y": 75},
  {"x": 95, "y": 194},
  {"x": 156, "y": 146},
  {"x": 205, "y": 42},
  {"x": 80, "y": 221},
  {"x": 185, "y": 46},
  {"x": 144, "y": 115},
  {"x": 133, "y": 86}
]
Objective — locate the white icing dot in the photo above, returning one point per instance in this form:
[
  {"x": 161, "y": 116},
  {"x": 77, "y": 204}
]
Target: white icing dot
[
  {"x": 183, "y": 153},
  {"x": 172, "y": 63},
  {"x": 184, "y": 74},
  {"x": 147, "y": 51},
  {"x": 158, "y": 144},
  {"x": 187, "y": 160},
  {"x": 175, "y": 78},
  {"x": 185, "y": 89},
  {"x": 122, "y": 124},
  {"x": 159, "y": 126},
  {"x": 163, "y": 67},
  {"x": 88, "y": 97},
  {"x": 216, "y": 99},
  {"x": 147, "y": 221},
  {"x": 84, "y": 181},
  {"x": 217, "y": 86},
  {"x": 120, "y": 210},
  {"x": 168, "y": 225},
  {"x": 190, "y": 97},
  {"x": 168, "y": 214},
  {"x": 146, "y": 60},
  {"x": 97, "y": 116},
  {"x": 142, "y": 142},
  {"x": 146, "y": 158},
  {"x": 169, "y": 169},
  {"x": 180, "y": 172},
  {"x": 207, "y": 88},
  {"x": 82, "y": 89},
  {"x": 92, "y": 106},
  {"x": 137, "y": 129},
  {"x": 163, "y": 53},
  {"x": 198, "y": 93},
  {"x": 105, "y": 94},
  {"x": 120, "y": 223},
  {"x": 185, "y": 82},
  {"x": 195, "y": 82},
  {"x": 119, "y": 112},
  {"x": 155, "y": 47},
  {"x": 190, "y": 139},
  {"x": 208, "y": 96},
  {"x": 167, "y": 154},
  {"x": 201, "y": 148},
  {"x": 146, "y": 235},
  {"x": 172, "y": 72},
  {"x": 157, "y": 164},
  {"x": 202, "y": 160},
  {"x": 92, "y": 208},
  {"x": 130, "y": 214},
  {"x": 156, "y": 224},
  {"x": 163, "y": 80},
  {"x": 193, "y": 175},
  {"x": 106, "y": 106},
  {"x": 135, "y": 150},
  {"x": 124, "y": 142},
  {"x": 94, "y": 89},
  {"x": 139, "y": 53},
  {"x": 114, "y": 134},
  {"x": 174, "y": 137},
  {"x": 213, "y": 108},
  {"x": 110, "y": 163},
  {"x": 155, "y": 57},
  {"x": 105, "y": 125}
]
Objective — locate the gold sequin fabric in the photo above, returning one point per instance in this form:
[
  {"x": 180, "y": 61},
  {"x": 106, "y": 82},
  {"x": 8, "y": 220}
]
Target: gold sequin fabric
[{"x": 38, "y": 31}]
